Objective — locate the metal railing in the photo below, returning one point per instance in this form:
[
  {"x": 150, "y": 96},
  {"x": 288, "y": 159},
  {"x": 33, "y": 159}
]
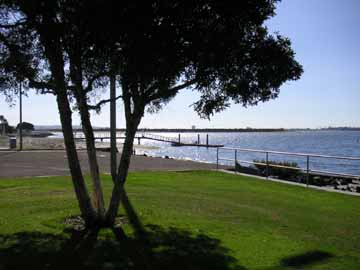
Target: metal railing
[
  {"x": 307, "y": 170},
  {"x": 160, "y": 137}
]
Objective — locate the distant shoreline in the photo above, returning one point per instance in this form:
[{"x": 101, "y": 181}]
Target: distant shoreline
[
  {"x": 186, "y": 130},
  {"x": 219, "y": 130}
]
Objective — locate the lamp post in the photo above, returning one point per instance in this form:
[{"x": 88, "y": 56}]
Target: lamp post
[
  {"x": 113, "y": 149},
  {"x": 20, "y": 125}
]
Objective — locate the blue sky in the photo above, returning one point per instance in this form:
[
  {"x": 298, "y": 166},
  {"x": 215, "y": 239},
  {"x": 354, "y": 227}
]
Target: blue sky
[{"x": 325, "y": 35}]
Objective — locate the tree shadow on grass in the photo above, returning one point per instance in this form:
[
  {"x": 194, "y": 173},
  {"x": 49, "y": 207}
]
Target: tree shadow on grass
[
  {"x": 163, "y": 249},
  {"x": 306, "y": 259},
  {"x": 151, "y": 247}
]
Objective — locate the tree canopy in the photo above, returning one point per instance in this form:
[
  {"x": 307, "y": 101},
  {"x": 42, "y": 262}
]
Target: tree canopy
[
  {"x": 154, "y": 49},
  {"x": 25, "y": 126},
  {"x": 223, "y": 51}
]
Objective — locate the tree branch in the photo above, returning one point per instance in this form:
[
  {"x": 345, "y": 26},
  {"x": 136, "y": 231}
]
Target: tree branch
[
  {"x": 182, "y": 86},
  {"x": 40, "y": 85},
  {"x": 93, "y": 79},
  {"x": 102, "y": 102},
  {"x": 46, "y": 91},
  {"x": 177, "y": 88}
]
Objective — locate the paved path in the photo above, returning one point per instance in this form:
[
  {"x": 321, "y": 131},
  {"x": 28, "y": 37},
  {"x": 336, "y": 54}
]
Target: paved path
[{"x": 43, "y": 163}]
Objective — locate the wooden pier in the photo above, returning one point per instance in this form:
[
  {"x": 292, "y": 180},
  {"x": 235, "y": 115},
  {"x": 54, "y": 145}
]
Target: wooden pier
[
  {"x": 173, "y": 141},
  {"x": 198, "y": 145}
]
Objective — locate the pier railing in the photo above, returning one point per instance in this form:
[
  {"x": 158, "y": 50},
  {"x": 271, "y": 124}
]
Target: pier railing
[
  {"x": 307, "y": 157},
  {"x": 161, "y": 138},
  {"x": 178, "y": 140}
]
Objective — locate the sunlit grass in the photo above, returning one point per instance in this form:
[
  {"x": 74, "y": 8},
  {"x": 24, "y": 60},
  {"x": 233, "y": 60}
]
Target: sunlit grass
[{"x": 263, "y": 224}]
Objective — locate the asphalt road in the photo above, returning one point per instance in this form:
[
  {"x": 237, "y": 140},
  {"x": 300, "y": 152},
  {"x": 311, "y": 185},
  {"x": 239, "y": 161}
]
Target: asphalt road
[{"x": 46, "y": 163}]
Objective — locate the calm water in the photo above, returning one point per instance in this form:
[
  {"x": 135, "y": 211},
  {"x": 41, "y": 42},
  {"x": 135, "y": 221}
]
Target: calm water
[{"x": 338, "y": 143}]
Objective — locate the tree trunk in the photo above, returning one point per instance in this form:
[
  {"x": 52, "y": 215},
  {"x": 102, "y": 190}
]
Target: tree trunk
[
  {"x": 52, "y": 42},
  {"x": 98, "y": 197},
  {"x": 84, "y": 201},
  {"x": 118, "y": 191},
  {"x": 81, "y": 98}
]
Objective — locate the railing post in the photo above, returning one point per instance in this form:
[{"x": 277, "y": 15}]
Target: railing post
[
  {"x": 235, "y": 160},
  {"x": 307, "y": 170},
  {"x": 179, "y": 137},
  {"x": 217, "y": 158},
  {"x": 198, "y": 142},
  {"x": 267, "y": 165}
]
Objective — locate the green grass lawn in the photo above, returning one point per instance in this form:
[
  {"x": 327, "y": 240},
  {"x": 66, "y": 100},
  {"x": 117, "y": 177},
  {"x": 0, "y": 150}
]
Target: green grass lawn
[{"x": 195, "y": 220}]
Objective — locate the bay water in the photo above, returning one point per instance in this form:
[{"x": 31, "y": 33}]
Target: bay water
[{"x": 322, "y": 142}]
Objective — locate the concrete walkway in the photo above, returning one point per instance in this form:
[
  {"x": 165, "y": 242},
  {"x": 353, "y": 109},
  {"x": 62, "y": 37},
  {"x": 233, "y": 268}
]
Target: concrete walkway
[{"x": 46, "y": 163}]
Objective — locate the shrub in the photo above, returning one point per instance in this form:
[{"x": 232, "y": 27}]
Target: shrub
[
  {"x": 245, "y": 169},
  {"x": 25, "y": 126},
  {"x": 281, "y": 173},
  {"x": 10, "y": 129}
]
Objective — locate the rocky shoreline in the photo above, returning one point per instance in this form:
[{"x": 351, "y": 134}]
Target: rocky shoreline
[{"x": 343, "y": 183}]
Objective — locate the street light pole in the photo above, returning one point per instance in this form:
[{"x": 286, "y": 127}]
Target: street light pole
[
  {"x": 20, "y": 125},
  {"x": 113, "y": 149}
]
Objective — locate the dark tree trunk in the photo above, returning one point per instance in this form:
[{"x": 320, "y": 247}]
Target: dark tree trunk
[
  {"x": 54, "y": 53},
  {"x": 133, "y": 113},
  {"x": 81, "y": 98},
  {"x": 98, "y": 197},
  {"x": 122, "y": 173},
  {"x": 84, "y": 201}
]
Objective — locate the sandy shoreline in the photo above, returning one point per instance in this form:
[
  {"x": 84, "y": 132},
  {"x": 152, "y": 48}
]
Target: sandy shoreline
[{"x": 34, "y": 143}]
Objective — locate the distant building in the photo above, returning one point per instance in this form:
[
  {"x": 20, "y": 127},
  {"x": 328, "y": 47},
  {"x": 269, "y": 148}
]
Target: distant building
[
  {"x": 3, "y": 126},
  {"x": 193, "y": 127}
]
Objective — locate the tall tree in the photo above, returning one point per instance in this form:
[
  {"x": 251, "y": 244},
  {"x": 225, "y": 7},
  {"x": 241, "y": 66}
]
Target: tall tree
[{"x": 155, "y": 49}]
